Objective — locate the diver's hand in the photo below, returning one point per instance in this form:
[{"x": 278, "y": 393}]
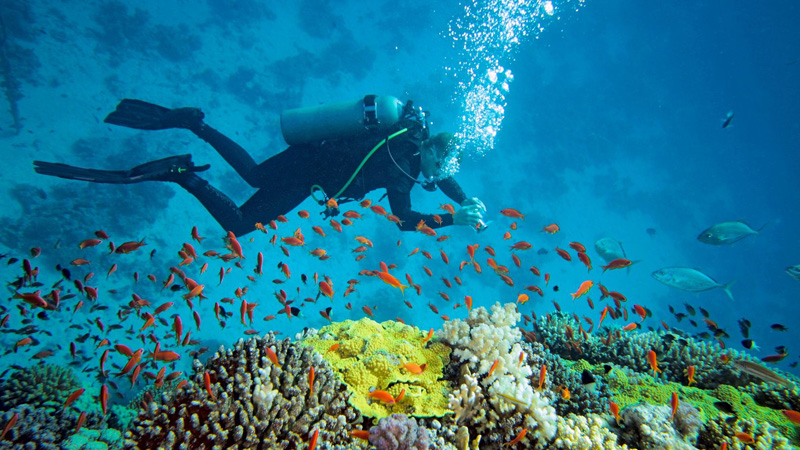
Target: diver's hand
[
  {"x": 470, "y": 215},
  {"x": 475, "y": 201}
]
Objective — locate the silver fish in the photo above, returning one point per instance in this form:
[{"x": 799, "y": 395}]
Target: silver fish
[
  {"x": 794, "y": 271},
  {"x": 726, "y": 233},
  {"x": 691, "y": 280},
  {"x": 609, "y": 249},
  {"x": 759, "y": 371}
]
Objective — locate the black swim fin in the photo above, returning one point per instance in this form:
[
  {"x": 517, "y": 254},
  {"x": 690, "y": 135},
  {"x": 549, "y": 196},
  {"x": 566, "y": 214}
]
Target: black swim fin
[
  {"x": 148, "y": 116},
  {"x": 171, "y": 168}
]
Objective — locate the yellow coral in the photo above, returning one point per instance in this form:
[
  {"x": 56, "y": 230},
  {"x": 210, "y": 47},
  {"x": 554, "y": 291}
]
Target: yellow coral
[{"x": 371, "y": 357}]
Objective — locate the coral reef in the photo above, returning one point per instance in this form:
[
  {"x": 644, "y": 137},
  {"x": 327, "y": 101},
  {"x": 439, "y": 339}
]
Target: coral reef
[
  {"x": 371, "y": 356},
  {"x": 499, "y": 404},
  {"x": 675, "y": 352},
  {"x": 650, "y": 427},
  {"x": 38, "y": 428},
  {"x": 87, "y": 439},
  {"x": 718, "y": 431},
  {"x": 398, "y": 432},
  {"x": 42, "y": 385},
  {"x": 242, "y": 399},
  {"x": 584, "y": 433}
]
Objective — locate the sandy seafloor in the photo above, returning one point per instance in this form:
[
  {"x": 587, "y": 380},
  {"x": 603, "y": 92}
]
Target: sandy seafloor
[{"x": 611, "y": 127}]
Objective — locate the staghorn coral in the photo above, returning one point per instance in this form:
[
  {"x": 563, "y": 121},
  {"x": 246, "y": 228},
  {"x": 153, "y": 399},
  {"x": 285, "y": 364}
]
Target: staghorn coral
[
  {"x": 650, "y": 427},
  {"x": 585, "y": 433},
  {"x": 255, "y": 403},
  {"x": 500, "y": 405},
  {"x": 42, "y": 385},
  {"x": 371, "y": 356},
  {"x": 398, "y": 432}
]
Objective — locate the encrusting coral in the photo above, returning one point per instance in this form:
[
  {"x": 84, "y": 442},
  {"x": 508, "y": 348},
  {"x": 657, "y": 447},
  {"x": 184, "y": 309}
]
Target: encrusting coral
[
  {"x": 372, "y": 356},
  {"x": 241, "y": 399}
]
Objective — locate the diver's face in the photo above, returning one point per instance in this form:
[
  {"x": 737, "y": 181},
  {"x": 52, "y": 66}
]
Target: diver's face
[{"x": 429, "y": 164}]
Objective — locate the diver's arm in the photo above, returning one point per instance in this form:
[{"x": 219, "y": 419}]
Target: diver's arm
[
  {"x": 451, "y": 189},
  {"x": 400, "y": 203}
]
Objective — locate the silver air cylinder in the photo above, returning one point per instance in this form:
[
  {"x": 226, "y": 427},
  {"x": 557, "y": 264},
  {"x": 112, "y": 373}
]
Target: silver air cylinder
[{"x": 340, "y": 120}]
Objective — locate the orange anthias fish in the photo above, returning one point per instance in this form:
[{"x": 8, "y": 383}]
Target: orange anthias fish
[
  {"x": 312, "y": 443},
  {"x": 9, "y": 425},
  {"x": 513, "y": 213},
  {"x": 615, "y": 411},
  {"x": 583, "y": 289},
  {"x": 494, "y": 366},
  {"x": 674, "y": 404},
  {"x": 389, "y": 279},
  {"x": 415, "y": 369},
  {"x": 383, "y": 396},
  {"x": 690, "y": 374},
  {"x": 551, "y": 229},
  {"x": 519, "y": 437},
  {"x": 793, "y": 416},
  {"x": 617, "y": 264},
  {"x": 653, "y": 360},
  {"x": 428, "y": 337},
  {"x": 542, "y": 375}
]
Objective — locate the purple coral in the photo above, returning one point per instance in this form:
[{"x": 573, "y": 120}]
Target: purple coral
[{"x": 399, "y": 432}]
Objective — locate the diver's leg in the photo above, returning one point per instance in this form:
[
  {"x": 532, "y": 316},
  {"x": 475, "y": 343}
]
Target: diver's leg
[
  {"x": 231, "y": 152},
  {"x": 219, "y": 205},
  {"x": 263, "y": 206}
]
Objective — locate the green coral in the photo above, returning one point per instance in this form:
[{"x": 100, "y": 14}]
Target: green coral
[
  {"x": 628, "y": 391},
  {"x": 43, "y": 385},
  {"x": 371, "y": 356}
]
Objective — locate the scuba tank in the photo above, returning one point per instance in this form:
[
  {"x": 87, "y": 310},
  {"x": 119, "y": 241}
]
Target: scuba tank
[{"x": 340, "y": 120}]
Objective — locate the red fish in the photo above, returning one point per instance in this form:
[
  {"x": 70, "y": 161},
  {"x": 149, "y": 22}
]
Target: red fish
[
  {"x": 551, "y": 229},
  {"x": 617, "y": 264},
  {"x": 104, "y": 398},
  {"x": 128, "y": 247},
  {"x": 207, "y": 383},
  {"x": 9, "y": 425},
  {"x": 312, "y": 443},
  {"x": 674, "y": 404},
  {"x": 564, "y": 254},
  {"x": 513, "y": 213}
]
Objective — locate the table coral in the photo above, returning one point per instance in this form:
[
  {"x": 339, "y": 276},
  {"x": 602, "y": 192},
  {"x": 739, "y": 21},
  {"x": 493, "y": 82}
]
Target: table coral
[{"x": 371, "y": 356}]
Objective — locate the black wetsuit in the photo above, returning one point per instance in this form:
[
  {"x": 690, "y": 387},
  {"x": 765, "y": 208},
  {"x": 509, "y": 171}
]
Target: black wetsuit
[{"x": 284, "y": 180}]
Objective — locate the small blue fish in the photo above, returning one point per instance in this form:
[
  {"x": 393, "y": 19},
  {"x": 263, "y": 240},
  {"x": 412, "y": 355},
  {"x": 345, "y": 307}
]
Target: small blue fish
[{"x": 727, "y": 121}]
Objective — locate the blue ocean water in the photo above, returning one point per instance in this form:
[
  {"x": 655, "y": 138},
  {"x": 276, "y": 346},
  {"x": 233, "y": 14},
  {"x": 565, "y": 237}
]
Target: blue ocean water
[{"x": 611, "y": 126}]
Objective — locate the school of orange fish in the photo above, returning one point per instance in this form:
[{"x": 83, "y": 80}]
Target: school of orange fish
[{"x": 106, "y": 350}]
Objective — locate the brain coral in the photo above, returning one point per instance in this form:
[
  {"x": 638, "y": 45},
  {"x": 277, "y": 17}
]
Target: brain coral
[
  {"x": 371, "y": 356},
  {"x": 252, "y": 402}
]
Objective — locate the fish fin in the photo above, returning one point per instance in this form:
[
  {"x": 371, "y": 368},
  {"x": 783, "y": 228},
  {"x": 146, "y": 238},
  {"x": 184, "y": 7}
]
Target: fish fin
[{"x": 727, "y": 289}]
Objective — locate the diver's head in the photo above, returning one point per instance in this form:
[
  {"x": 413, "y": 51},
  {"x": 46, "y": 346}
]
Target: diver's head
[{"x": 434, "y": 153}]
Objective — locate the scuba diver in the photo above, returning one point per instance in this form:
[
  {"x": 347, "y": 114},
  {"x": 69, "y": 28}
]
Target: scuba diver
[{"x": 348, "y": 149}]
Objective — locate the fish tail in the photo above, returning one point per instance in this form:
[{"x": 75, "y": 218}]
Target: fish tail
[{"x": 727, "y": 289}]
